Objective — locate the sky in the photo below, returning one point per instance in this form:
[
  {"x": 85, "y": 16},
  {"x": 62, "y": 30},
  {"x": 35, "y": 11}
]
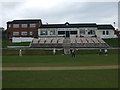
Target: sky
[{"x": 60, "y": 11}]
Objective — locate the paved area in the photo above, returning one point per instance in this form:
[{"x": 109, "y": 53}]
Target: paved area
[{"x": 58, "y": 68}]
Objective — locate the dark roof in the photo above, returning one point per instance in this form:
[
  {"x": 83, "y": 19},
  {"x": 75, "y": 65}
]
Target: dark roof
[
  {"x": 24, "y": 21},
  {"x": 67, "y": 25},
  {"x": 105, "y": 26}
]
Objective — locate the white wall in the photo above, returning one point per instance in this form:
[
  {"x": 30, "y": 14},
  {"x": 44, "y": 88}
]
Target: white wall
[
  {"x": 22, "y": 39},
  {"x": 99, "y": 33},
  {"x": 66, "y": 29},
  {"x": 110, "y": 35}
]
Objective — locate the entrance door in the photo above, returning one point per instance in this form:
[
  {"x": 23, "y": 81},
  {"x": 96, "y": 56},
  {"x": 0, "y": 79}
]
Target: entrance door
[{"x": 67, "y": 33}]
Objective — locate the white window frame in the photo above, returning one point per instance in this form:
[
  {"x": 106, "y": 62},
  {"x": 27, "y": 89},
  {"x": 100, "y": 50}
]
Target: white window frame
[
  {"x": 30, "y": 33},
  {"x": 82, "y": 33},
  {"x": 15, "y": 33},
  {"x": 104, "y": 32},
  {"x": 9, "y": 25},
  {"x": 41, "y": 32},
  {"x": 52, "y": 32},
  {"x": 90, "y": 31},
  {"x": 108, "y": 32},
  {"x": 32, "y": 25},
  {"x": 15, "y": 25},
  {"x": 24, "y": 25},
  {"x": 24, "y": 33}
]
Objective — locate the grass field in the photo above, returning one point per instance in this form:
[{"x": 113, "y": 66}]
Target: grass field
[
  {"x": 101, "y": 78},
  {"x": 61, "y": 79},
  {"x": 6, "y": 43},
  {"x": 59, "y": 60},
  {"x": 113, "y": 42}
]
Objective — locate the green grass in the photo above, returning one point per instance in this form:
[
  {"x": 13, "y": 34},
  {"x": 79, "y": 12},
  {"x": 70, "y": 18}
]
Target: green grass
[
  {"x": 61, "y": 79},
  {"x": 14, "y": 52},
  {"x": 113, "y": 42},
  {"x": 25, "y": 52},
  {"x": 60, "y": 60},
  {"x": 6, "y": 43}
]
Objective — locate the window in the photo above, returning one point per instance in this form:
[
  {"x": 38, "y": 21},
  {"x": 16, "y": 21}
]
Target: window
[
  {"x": 15, "y": 33},
  {"x": 91, "y": 31},
  {"x": 52, "y": 32},
  {"x": 61, "y": 32},
  {"x": 103, "y": 32},
  {"x": 24, "y": 33},
  {"x": 82, "y": 31},
  {"x": 43, "y": 32},
  {"x": 9, "y": 25},
  {"x": 32, "y": 25},
  {"x": 15, "y": 25},
  {"x": 31, "y": 33},
  {"x": 107, "y": 32},
  {"x": 24, "y": 26},
  {"x": 73, "y": 32}
]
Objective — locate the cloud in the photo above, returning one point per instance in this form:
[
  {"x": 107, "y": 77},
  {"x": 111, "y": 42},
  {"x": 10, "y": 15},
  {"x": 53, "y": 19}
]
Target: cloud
[{"x": 60, "y": 11}]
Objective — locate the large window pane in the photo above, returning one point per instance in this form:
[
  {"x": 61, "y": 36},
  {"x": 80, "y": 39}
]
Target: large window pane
[
  {"x": 24, "y": 33},
  {"x": 24, "y": 25},
  {"x": 9, "y": 25},
  {"x": 31, "y": 33},
  {"x": 103, "y": 32},
  {"x": 61, "y": 32},
  {"x": 15, "y": 33},
  {"x": 15, "y": 25},
  {"x": 32, "y": 25},
  {"x": 73, "y": 32},
  {"x": 91, "y": 32},
  {"x": 107, "y": 32},
  {"x": 43, "y": 32},
  {"x": 52, "y": 32},
  {"x": 82, "y": 31}
]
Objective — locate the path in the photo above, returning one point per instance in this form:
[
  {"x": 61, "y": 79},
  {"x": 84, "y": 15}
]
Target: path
[{"x": 59, "y": 68}]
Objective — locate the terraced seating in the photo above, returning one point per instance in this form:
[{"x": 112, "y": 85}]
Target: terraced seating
[
  {"x": 74, "y": 43},
  {"x": 95, "y": 40},
  {"x": 42, "y": 40},
  {"x": 84, "y": 40},
  {"x": 35, "y": 41},
  {"x": 73, "y": 40},
  {"x": 100, "y": 40},
  {"x": 60, "y": 41},
  {"x": 54, "y": 40},
  {"x": 90, "y": 40},
  {"x": 48, "y": 40},
  {"x": 78, "y": 40}
]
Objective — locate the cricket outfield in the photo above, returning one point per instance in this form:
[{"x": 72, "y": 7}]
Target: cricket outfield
[{"x": 97, "y": 71}]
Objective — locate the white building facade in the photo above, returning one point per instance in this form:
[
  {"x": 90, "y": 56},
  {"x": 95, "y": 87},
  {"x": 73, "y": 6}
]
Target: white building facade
[
  {"x": 106, "y": 31},
  {"x": 76, "y": 30}
]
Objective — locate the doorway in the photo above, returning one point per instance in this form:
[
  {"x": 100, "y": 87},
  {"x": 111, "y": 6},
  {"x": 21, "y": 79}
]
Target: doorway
[{"x": 67, "y": 33}]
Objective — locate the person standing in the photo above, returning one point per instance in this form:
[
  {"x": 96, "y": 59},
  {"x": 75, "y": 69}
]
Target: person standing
[
  {"x": 20, "y": 52},
  {"x": 73, "y": 52},
  {"x": 106, "y": 52},
  {"x": 100, "y": 51},
  {"x": 54, "y": 51}
]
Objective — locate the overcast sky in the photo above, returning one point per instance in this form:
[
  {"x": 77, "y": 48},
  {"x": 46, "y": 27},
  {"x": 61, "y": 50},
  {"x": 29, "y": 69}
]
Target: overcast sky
[{"x": 59, "y": 11}]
